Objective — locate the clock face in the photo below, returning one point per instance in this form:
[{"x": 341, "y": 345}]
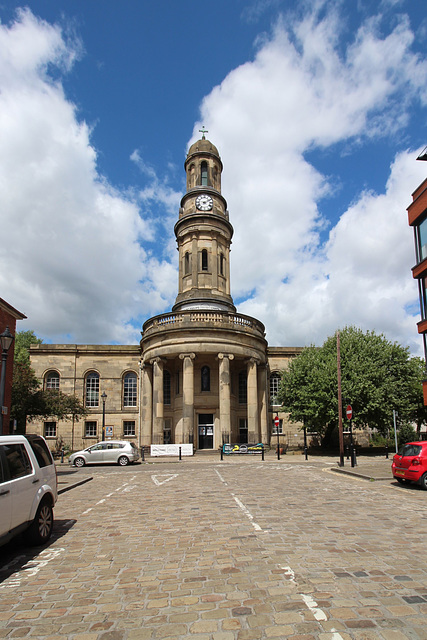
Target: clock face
[{"x": 204, "y": 202}]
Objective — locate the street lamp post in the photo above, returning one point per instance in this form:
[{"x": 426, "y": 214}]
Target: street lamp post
[
  {"x": 6, "y": 339},
  {"x": 104, "y": 397}
]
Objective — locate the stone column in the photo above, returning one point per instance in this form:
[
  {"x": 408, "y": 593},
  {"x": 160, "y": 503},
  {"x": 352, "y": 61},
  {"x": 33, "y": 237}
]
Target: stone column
[
  {"x": 253, "y": 422},
  {"x": 187, "y": 396},
  {"x": 263, "y": 402},
  {"x": 157, "y": 401},
  {"x": 224, "y": 396},
  {"x": 146, "y": 401}
]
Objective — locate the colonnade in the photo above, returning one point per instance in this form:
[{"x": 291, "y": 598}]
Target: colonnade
[{"x": 152, "y": 401}]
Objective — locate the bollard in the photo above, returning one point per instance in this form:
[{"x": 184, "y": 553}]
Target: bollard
[
  {"x": 62, "y": 456},
  {"x": 221, "y": 453},
  {"x": 180, "y": 457},
  {"x": 142, "y": 454},
  {"x": 262, "y": 453},
  {"x": 306, "y": 453},
  {"x": 386, "y": 451}
]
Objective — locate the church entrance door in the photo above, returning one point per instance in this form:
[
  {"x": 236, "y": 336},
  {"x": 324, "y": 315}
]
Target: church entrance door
[{"x": 206, "y": 430}]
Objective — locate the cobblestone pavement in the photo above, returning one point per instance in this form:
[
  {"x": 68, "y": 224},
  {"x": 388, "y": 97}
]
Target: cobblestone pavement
[{"x": 233, "y": 550}]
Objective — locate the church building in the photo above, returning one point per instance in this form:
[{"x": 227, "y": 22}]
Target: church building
[{"x": 203, "y": 373}]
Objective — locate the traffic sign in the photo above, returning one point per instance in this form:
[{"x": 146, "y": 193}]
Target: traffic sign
[
  {"x": 349, "y": 412},
  {"x": 276, "y": 422}
]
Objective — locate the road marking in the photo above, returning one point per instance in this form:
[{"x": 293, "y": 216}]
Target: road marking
[
  {"x": 167, "y": 478},
  {"x": 247, "y": 513},
  {"x": 220, "y": 477},
  {"x": 311, "y": 604},
  {"x": 31, "y": 568}
]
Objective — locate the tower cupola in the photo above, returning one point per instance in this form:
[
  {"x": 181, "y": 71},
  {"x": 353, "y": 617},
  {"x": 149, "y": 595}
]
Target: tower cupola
[{"x": 203, "y": 233}]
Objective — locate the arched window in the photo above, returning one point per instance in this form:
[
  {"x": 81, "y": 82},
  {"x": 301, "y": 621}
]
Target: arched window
[
  {"x": 192, "y": 176},
  {"x": 187, "y": 263},
  {"x": 51, "y": 380},
  {"x": 129, "y": 390},
  {"x": 275, "y": 380},
  {"x": 205, "y": 379},
  {"x": 243, "y": 387},
  {"x": 204, "y": 174},
  {"x": 92, "y": 389},
  {"x": 204, "y": 260},
  {"x": 221, "y": 264},
  {"x": 166, "y": 387}
]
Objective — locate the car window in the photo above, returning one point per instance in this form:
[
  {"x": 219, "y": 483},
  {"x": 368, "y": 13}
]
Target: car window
[
  {"x": 132, "y": 445},
  {"x": 17, "y": 460},
  {"x": 41, "y": 451},
  {"x": 410, "y": 450},
  {"x": 96, "y": 447}
]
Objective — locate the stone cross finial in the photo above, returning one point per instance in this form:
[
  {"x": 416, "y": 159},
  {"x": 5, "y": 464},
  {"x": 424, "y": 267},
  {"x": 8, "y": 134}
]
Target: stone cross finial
[{"x": 203, "y": 131}]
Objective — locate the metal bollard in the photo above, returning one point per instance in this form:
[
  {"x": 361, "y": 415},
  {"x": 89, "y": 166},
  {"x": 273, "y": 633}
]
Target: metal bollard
[
  {"x": 262, "y": 453},
  {"x": 62, "y": 456},
  {"x": 142, "y": 454},
  {"x": 221, "y": 453},
  {"x": 180, "y": 457}
]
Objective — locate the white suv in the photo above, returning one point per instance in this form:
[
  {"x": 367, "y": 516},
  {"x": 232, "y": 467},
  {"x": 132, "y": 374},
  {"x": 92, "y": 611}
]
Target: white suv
[{"x": 28, "y": 488}]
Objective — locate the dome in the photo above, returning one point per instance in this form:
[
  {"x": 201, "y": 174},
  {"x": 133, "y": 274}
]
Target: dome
[{"x": 203, "y": 145}]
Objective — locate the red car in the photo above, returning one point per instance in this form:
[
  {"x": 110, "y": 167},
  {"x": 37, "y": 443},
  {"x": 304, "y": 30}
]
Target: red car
[{"x": 410, "y": 463}]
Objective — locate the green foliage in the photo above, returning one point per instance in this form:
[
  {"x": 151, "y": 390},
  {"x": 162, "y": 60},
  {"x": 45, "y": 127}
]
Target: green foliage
[
  {"x": 23, "y": 340},
  {"x": 29, "y": 401},
  {"x": 405, "y": 433},
  {"x": 377, "y": 376}
]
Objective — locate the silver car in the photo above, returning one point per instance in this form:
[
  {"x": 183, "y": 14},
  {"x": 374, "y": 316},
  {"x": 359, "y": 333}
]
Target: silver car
[{"x": 118, "y": 451}]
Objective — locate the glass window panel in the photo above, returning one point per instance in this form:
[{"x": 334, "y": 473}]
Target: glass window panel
[{"x": 130, "y": 390}]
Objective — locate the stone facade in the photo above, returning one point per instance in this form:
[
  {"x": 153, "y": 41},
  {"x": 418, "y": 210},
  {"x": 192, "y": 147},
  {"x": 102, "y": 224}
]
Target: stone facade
[{"x": 202, "y": 373}]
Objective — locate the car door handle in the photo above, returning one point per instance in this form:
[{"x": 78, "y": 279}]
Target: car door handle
[
  {"x": 36, "y": 480},
  {"x": 4, "y": 493}
]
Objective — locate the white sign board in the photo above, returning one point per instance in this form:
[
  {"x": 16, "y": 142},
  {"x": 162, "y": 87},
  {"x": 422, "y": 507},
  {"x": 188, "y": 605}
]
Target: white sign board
[{"x": 171, "y": 449}]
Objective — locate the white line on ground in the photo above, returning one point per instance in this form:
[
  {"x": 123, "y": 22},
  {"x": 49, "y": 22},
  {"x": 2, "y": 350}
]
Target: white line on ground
[
  {"x": 31, "y": 568},
  {"x": 247, "y": 513},
  {"x": 220, "y": 477},
  {"x": 167, "y": 477},
  {"x": 311, "y": 604}
]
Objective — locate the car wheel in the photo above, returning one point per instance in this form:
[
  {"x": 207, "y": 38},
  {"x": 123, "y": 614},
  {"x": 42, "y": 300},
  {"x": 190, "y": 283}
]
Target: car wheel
[
  {"x": 123, "y": 461},
  {"x": 40, "y": 529},
  {"x": 79, "y": 462},
  {"x": 423, "y": 481}
]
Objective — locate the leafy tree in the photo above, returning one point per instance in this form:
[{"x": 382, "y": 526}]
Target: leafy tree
[
  {"x": 29, "y": 401},
  {"x": 377, "y": 376},
  {"x": 23, "y": 340}
]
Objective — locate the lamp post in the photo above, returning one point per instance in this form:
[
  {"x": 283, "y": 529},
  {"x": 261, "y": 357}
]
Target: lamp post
[
  {"x": 6, "y": 339},
  {"x": 104, "y": 397}
]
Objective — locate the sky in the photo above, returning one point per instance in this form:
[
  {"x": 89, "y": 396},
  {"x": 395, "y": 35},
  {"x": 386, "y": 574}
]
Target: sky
[{"x": 318, "y": 110}]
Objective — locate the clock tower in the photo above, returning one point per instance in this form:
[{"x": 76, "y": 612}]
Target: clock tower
[{"x": 203, "y": 233}]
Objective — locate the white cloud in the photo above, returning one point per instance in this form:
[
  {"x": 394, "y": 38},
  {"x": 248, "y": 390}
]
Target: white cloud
[
  {"x": 304, "y": 91},
  {"x": 72, "y": 261}
]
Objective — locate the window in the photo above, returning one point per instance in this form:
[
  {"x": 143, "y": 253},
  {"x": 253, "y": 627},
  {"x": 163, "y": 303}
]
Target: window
[
  {"x": 92, "y": 389},
  {"x": 51, "y": 380},
  {"x": 90, "y": 429},
  {"x": 243, "y": 388},
  {"x": 186, "y": 263},
  {"x": 166, "y": 387},
  {"x": 40, "y": 450},
  {"x": 129, "y": 390},
  {"x": 128, "y": 428},
  {"x": 204, "y": 174},
  {"x": 204, "y": 260},
  {"x": 221, "y": 264},
  {"x": 243, "y": 430},
  {"x": 17, "y": 460},
  {"x": 421, "y": 231},
  {"x": 275, "y": 380},
  {"x": 274, "y": 431},
  {"x": 205, "y": 375},
  {"x": 50, "y": 429}
]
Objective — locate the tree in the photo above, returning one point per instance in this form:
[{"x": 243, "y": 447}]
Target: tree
[
  {"x": 23, "y": 341},
  {"x": 29, "y": 401},
  {"x": 377, "y": 376}
]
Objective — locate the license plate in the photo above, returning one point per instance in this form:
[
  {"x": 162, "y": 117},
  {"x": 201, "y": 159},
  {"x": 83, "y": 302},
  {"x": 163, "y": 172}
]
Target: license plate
[{"x": 398, "y": 472}]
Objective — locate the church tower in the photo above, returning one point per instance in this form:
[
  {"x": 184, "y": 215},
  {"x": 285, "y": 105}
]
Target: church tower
[{"x": 203, "y": 233}]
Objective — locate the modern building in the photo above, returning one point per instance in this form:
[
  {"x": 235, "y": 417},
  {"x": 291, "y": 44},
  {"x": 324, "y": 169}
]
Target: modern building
[
  {"x": 203, "y": 373},
  {"x": 8, "y": 317},
  {"x": 417, "y": 217}
]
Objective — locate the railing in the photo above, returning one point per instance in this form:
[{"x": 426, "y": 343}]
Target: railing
[{"x": 194, "y": 319}]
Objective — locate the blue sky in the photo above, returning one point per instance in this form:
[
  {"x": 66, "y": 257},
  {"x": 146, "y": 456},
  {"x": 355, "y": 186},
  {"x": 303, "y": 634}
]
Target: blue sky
[{"x": 318, "y": 110}]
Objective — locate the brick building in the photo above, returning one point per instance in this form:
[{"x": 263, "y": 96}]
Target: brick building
[{"x": 8, "y": 317}]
